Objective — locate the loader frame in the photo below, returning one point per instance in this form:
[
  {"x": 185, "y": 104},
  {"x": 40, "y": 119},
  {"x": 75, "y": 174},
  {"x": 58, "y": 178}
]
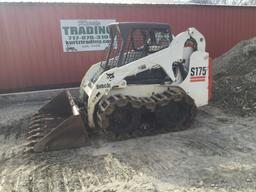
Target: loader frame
[{"x": 165, "y": 59}]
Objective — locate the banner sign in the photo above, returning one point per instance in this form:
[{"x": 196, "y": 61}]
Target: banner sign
[{"x": 85, "y": 35}]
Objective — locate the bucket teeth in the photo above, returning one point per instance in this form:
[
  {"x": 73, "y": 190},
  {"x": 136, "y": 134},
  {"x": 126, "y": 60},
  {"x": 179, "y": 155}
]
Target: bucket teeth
[
  {"x": 35, "y": 126},
  {"x": 31, "y": 143},
  {"x": 34, "y": 131},
  {"x": 35, "y": 136},
  {"x": 41, "y": 120},
  {"x": 35, "y": 121},
  {"x": 49, "y": 119},
  {"x": 28, "y": 150},
  {"x": 37, "y": 116},
  {"x": 41, "y": 116}
]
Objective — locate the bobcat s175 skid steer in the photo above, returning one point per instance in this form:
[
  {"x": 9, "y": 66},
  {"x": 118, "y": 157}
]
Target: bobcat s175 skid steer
[{"x": 149, "y": 81}]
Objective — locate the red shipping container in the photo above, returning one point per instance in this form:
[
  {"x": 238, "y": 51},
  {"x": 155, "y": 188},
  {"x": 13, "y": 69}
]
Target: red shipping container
[{"x": 31, "y": 52}]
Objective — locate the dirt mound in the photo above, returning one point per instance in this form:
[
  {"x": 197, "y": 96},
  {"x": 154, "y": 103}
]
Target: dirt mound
[{"x": 235, "y": 78}]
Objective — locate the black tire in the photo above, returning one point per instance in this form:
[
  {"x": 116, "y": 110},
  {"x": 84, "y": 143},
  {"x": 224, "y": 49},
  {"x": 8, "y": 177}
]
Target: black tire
[
  {"x": 171, "y": 116},
  {"x": 124, "y": 120},
  {"x": 190, "y": 115}
]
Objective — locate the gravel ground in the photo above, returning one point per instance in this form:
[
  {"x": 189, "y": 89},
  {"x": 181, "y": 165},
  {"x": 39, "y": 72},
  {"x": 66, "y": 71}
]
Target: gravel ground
[{"x": 218, "y": 153}]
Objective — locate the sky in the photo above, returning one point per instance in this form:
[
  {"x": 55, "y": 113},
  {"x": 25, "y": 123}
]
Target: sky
[
  {"x": 101, "y": 1},
  {"x": 112, "y": 1}
]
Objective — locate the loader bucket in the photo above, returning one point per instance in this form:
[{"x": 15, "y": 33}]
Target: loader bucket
[{"x": 57, "y": 125}]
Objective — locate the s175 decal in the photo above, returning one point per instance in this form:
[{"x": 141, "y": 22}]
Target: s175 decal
[
  {"x": 198, "y": 71},
  {"x": 198, "y": 74}
]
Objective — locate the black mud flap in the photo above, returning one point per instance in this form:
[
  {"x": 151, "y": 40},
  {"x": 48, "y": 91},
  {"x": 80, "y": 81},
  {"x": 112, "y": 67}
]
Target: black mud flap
[{"x": 57, "y": 125}]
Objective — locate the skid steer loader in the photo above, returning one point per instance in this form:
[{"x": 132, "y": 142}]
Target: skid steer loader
[{"x": 149, "y": 81}]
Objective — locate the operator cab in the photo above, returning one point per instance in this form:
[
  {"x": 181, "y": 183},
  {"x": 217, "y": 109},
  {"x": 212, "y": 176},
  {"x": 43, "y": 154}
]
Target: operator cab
[{"x": 132, "y": 41}]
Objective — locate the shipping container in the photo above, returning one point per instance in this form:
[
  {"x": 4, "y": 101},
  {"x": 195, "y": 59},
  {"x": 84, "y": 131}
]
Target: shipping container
[{"x": 31, "y": 51}]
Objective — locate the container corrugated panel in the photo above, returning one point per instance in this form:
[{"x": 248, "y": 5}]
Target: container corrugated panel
[{"x": 31, "y": 53}]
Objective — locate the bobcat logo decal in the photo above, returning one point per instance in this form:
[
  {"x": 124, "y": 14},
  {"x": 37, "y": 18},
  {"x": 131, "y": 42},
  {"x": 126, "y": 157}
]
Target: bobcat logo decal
[{"x": 110, "y": 75}]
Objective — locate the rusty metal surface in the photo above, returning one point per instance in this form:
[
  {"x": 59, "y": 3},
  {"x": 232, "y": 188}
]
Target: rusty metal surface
[{"x": 31, "y": 53}]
